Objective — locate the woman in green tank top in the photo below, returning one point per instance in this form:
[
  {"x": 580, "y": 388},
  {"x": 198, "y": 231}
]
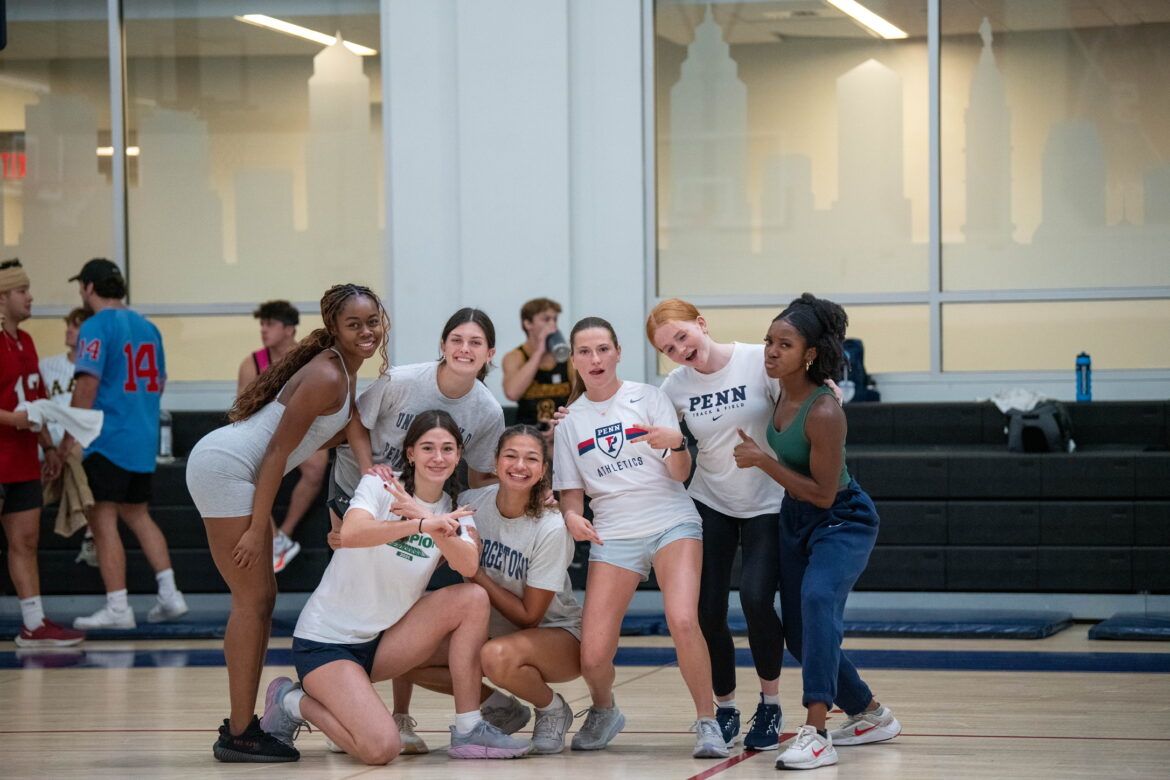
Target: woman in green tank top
[{"x": 828, "y": 526}]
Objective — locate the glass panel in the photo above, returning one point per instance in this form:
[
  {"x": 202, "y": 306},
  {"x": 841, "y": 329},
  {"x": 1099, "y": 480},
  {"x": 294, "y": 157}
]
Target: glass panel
[
  {"x": 792, "y": 148},
  {"x": 54, "y": 115},
  {"x": 1048, "y": 336},
  {"x": 259, "y": 173},
  {"x": 1055, "y": 144},
  {"x": 897, "y": 338}
]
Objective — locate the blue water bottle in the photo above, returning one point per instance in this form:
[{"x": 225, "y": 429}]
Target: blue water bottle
[{"x": 1084, "y": 377}]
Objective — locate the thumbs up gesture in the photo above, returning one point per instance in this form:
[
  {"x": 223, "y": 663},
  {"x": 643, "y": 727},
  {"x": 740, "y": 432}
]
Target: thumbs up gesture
[{"x": 747, "y": 452}]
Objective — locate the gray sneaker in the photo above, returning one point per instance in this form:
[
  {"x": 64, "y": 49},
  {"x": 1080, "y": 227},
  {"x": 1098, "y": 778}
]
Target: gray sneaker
[
  {"x": 487, "y": 741},
  {"x": 276, "y": 720},
  {"x": 709, "y": 742},
  {"x": 510, "y": 718},
  {"x": 549, "y": 733},
  {"x": 412, "y": 744},
  {"x": 600, "y": 726},
  {"x": 167, "y": 608}
]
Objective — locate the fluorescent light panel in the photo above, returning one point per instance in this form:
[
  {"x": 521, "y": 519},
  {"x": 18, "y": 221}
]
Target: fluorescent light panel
[
  {"x": 108, "y": 151},
  {"x": 868, "y": 18},
  {"x": 288, "y": 28}
]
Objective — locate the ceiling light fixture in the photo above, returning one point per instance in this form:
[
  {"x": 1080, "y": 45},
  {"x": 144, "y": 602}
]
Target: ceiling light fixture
[
  {"x": 288, "y": 28},
  {"x": 868, "y": 19}
]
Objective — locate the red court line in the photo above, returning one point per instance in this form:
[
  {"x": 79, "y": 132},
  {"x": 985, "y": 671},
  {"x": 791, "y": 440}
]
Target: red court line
[{"x": 724, "y": 765}]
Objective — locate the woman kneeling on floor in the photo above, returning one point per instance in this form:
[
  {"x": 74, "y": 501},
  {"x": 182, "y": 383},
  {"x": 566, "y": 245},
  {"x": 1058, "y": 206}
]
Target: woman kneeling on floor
[{"x": 369, "y": 619}]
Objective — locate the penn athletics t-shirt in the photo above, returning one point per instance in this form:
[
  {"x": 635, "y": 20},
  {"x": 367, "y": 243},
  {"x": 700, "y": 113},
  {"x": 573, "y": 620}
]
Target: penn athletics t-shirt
[
  {"x": 602, "y": 448},
  {"x": 125, "y": 352},
  {"x": 739, "y": 395},
  {"x": 389, "y": 405},
  {"x": 365, "y": 590},
  {"x": 524, "y": 551}
]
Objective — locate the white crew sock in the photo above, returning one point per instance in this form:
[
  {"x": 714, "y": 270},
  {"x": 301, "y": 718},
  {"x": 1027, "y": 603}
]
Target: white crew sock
[
  {"x": 497, "y": 699},
  {"x": 32, "y": 613},
  {"x": 771, "y": 698},
  {"x": 117, "y": 601},
  {"x": 166, "y": 583},
  {"x": 292, "y": 703},
  {"x": 724, "y": 705},
  {"x": 554, "y": 705},
  {"x": 466, "y": 721}
]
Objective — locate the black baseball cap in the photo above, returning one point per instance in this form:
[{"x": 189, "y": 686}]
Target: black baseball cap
[{"x": 96, "y": 270}]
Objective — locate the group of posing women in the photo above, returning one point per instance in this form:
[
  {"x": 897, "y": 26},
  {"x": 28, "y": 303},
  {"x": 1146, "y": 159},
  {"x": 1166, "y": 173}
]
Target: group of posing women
[{"x": 802, "y": 523}]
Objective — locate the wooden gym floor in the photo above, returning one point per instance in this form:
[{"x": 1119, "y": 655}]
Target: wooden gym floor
[{"x": 1060, "y": 707}]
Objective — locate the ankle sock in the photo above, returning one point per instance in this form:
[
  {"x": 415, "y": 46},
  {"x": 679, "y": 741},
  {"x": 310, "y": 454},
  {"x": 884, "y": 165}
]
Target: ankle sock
[
  {"x": 292, "y": 703},
  {"x": 823, "y": 733},
  {"x": 32, "y": 613},
  {"x": 117, "y": 601},
  {"x": 726, "y": 705},
  {"x": 166, "y": 583},
  {"x": 773, "y": 699},
  {"x": 554, "y": 705},
  {"x": 466, "y": 721}
]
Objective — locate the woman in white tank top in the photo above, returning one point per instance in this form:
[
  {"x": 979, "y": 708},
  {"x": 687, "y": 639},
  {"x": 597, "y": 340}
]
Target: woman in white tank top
[{"x": 300, "y": 405}]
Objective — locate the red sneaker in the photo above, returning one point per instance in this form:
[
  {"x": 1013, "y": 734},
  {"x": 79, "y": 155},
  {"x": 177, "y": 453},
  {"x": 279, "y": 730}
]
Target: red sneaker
[{"x": 49, "y": 634}]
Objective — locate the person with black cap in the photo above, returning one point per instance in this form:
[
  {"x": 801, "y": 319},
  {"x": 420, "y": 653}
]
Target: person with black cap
[
  {"x": 121, "y": 370},
  {"x": 20, "y": 473}
]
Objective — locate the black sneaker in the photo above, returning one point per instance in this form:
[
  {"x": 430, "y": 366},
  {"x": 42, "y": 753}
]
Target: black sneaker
[
  {"x": 253, "y": 746},
  {"x": 765, "y": 731},
  {"x": 728, "y": 720}
]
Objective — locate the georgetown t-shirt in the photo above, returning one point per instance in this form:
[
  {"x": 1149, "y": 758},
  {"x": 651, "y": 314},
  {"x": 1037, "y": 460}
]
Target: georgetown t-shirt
[
  {"x": 602, "y": 448},
  {"x": 365, "y": 590},
  {"x": 524, "y": 551},
  {"x": 739, "y": 395}
]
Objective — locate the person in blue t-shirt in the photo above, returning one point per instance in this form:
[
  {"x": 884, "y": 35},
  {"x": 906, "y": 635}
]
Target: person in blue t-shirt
[{"x": 121, "y": 370}]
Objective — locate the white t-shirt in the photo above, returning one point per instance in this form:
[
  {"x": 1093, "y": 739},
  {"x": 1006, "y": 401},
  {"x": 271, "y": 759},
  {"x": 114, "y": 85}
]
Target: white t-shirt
[
  {"x": 58, "y": 371},
  {"x": 521, "y": 552},
  {"x": 739, "y": 395},
  {"x": 602, "y": 448},
  {"x": 389, "y": 405},
  {"x": 365, "y": 590}
]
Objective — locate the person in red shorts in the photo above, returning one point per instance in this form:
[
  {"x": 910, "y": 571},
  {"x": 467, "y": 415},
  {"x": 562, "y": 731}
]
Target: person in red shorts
[{"x": 20, "y": 470}]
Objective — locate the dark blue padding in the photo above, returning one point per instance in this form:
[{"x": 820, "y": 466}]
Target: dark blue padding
[
  {"x": 1134, "y": 626},
  {"x": 193, "y": 625}
]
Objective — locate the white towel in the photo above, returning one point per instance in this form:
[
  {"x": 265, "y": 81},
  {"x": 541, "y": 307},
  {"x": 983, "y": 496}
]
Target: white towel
[{"x": 83, "y": 424}]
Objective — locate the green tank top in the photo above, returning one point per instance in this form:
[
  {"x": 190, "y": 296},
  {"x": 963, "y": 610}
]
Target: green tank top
[{"x": 791, "y": 445}]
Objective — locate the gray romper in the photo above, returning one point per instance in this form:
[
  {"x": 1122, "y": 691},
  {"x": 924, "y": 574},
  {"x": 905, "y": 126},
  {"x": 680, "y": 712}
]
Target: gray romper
[{"x": 222, "y": 467}]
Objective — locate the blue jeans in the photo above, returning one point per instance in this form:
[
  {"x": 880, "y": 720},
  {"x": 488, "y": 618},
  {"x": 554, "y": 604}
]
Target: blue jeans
[{"x": 822, "y": 553}]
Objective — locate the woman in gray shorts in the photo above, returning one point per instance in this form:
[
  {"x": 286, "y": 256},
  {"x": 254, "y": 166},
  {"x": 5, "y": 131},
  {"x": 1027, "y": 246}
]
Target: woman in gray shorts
[{"x": 300, "y": 405}]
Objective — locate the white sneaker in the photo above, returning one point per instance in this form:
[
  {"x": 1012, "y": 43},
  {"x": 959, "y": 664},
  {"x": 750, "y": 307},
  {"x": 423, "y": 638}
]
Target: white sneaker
[
  {"x": 88, "y": 552},
  {"x": 709, "y": 742},
  {"x": 107, "y": 617},
  {"x": 866, "y": 727},
  {"x": 168, "y": 608},
  {"x": 412, "y": 744},
  {"x": 284, "y": 549},
  {"x": 807, "y": 750},
  {"x": 332, "y": 746}
]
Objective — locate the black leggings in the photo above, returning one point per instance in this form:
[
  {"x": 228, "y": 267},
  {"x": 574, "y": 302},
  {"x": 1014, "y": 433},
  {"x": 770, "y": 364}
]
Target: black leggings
[{"x": 759, "y": 538}]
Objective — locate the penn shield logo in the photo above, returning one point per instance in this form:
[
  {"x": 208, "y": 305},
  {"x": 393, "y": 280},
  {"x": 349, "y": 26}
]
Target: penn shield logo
[{"x": 609, "y": 439}]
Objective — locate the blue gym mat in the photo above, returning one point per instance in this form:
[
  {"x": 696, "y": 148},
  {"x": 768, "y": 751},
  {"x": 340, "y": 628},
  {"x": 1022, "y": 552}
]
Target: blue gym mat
[
  {"x": 912, "y": 623},
  {"x": 1134, "y": 626},
  {"x": 193, "y": 625}
]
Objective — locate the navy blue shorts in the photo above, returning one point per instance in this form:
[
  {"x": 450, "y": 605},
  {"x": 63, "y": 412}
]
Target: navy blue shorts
[
  {"x": 20, "y": 496},
  {"x": 309, "y": 655}
]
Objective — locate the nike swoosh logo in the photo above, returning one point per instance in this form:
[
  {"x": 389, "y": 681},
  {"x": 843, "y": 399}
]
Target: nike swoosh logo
[
  {"x": 858, "y": 732},
  {"x": 636, "y": 400},
  {"x": 817, "y": 753},
  {"x": 713, "y": 419}
]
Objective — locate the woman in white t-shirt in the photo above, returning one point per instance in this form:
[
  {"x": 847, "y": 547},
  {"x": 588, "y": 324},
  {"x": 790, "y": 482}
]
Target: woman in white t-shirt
[
  {"x": 620, "y": 443},
  {"x": 716, "y": 389},
  {"x": 369, "y": 619}
]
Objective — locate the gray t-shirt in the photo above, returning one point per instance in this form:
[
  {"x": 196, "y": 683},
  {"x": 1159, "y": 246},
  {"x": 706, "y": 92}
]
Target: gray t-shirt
[
  {"x": 520, "y": 552},
  {"x": 389, "y": 405}
]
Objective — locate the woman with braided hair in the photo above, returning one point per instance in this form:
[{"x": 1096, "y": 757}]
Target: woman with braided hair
[
  {"x": 828, "y": 526},
  {"x": 301, "y": 405}
]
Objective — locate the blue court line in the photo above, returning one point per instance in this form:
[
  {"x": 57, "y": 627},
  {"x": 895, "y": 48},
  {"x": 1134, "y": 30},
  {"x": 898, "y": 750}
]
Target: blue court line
[{"x": 932, "y": 660}]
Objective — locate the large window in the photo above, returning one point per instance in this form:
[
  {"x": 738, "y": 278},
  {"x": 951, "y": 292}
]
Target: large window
[{"x": 958, "y": 173}]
